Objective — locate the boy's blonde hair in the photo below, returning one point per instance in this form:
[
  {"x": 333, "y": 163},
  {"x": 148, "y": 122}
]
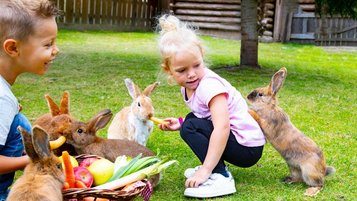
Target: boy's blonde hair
[
  {"x": 19, "y": 17},
  {"x": 174, "y": 36}
]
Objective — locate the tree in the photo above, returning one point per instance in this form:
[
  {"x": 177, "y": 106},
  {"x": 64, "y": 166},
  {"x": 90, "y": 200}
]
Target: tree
[{"x": 249, "y": 40}]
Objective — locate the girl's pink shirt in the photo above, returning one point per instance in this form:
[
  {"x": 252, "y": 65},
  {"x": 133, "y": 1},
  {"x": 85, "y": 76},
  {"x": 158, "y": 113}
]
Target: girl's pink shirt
[{"x": 245, "y": 129}]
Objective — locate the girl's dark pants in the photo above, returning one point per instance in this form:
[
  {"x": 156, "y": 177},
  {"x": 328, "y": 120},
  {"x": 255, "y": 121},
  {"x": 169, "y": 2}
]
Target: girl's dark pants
[{"x": 196, "y": 132}]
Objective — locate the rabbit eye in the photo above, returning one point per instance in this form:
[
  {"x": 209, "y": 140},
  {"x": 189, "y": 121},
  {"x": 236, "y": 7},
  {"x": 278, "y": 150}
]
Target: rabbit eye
[
  {"x": 80, "y": 131},
  {"x": 59, "y": 166},
  {"x": 260, "y": 94},
  {"x": 139, "y": 105}
]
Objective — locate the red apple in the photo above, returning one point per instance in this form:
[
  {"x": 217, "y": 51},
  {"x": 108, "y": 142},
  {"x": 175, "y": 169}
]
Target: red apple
[
  {"x": 87, "y": 162},
  {"x": 83, "y": 174}
]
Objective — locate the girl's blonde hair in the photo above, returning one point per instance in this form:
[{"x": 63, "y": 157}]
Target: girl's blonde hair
[{"x": 175, "y": 35}]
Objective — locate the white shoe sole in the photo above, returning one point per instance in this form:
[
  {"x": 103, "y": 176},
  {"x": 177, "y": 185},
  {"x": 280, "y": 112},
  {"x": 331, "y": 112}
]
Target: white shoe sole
[{"x": 194, "y": 194}]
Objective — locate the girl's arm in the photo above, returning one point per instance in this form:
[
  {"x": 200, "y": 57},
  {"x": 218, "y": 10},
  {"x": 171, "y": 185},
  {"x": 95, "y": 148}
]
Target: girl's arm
[
  {"x": 219, "y": 137},
  {"x": 11, "y": 164}
]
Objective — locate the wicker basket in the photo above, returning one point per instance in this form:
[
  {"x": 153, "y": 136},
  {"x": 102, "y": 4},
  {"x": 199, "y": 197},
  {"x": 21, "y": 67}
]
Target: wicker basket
[{"x": 143, "y": 187}]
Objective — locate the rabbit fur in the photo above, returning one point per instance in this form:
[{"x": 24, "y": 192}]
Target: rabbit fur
[
  {"x": 304, "y": 158},
  {"x": 43, "y": 177},
  {"x": 132, "y": 122}
]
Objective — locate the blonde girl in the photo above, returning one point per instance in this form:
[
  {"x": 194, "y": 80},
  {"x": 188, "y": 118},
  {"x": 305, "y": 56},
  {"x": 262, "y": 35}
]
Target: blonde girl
[{"x": 219, "y": 128}]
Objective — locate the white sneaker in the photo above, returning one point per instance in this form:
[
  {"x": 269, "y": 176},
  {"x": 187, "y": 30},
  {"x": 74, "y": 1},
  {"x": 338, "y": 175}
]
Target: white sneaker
[
  {"x": 190, "y": 171},
  {"x": 216, "y": 185}
]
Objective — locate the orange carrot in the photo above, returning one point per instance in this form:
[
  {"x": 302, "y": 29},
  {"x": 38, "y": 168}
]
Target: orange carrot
[
  {"x": 65, "y": 185},
  {"x": 80, "y": 184},
  {"x": 68, "y": 169}
]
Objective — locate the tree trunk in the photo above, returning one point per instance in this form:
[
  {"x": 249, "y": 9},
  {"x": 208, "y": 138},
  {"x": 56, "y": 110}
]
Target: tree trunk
[{"x": 249, "y": 40}]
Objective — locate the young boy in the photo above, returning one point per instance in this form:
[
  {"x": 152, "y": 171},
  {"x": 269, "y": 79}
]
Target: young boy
[{"x": 28, "y": 32}]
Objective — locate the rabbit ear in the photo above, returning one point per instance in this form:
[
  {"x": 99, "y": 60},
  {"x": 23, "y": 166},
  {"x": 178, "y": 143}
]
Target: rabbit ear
[
  {"x": 54, "y": 110},
  {"x": 149, "y": 89},
  {"x": 278, "y": 80},
  {"x": 40, "y": 142},
  {"x": 100, "y": 120},
  {"x": 27, "y": 140},
  {"x": 64, "y": 107},
  {"x": 133, "y": 89}
]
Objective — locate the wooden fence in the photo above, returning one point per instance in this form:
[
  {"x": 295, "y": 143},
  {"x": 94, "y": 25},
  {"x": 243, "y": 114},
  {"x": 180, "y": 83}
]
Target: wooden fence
[
  {"x": 118, "y": 15},
  {"x": 335, "y": 31}
]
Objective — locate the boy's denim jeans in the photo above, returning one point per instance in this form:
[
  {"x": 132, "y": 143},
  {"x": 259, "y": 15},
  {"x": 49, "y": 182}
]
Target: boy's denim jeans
[{"x": 13, "y": 148}]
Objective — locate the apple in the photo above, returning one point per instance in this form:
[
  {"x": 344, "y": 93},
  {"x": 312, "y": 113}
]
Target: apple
[
  {"x": 87, "y": 162},
  {"x": 102, "y": 170},
  {"x": 83, "y": 174}
]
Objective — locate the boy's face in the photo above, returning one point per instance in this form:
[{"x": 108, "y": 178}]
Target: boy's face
[{"x": 39, "y": 50}]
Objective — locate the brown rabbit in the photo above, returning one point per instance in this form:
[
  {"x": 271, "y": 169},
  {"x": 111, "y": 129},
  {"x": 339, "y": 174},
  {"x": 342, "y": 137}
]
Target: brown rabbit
[
  {"x": 304, "y": 158},
  {"x": 43, "y": 177},
  {"x": 57, "y": 121}
]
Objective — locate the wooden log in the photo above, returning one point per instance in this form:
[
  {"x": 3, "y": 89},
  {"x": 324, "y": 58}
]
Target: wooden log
[
  {"x": 269, "y": 13},
  {"x": 306, "y": 1},
  {"x": 214, "y": 1},
  {"x": 269, "y": 6},
  {"x": 192, "y": 18},
  {"x": 268, "y": 20},
  {"x": 217, "y": 26},
  {"x": 268, "y": 33},
  {"x": 201, "y": 6},
  {"x": 270, "y": 1},
  {"x": 269, "y": 26},
  {"x": 208, "y": 13},
  {"x": 308, "y": 7}
]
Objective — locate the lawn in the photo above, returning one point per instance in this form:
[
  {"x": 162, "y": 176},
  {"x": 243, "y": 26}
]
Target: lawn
[{"x": 319, "y": 95}]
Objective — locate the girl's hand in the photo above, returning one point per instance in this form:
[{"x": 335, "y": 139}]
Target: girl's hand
[
  {"x": 200, "y": 176},
  {"x": 172, "y": 124}
]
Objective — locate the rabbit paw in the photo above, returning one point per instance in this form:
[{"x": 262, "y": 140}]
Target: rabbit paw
[
  {"x": 312, "y": 191},
  {"x": 290, "y": 180}
]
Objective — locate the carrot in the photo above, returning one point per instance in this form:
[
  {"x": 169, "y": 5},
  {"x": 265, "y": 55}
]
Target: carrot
[
  {"x": 80, "y": 184},
  {"x": 158, "y": 121},
  {"x": 68, "y": 169},
  {"x": 65, "y": 185},
  {"x": 57, "y": 143}
]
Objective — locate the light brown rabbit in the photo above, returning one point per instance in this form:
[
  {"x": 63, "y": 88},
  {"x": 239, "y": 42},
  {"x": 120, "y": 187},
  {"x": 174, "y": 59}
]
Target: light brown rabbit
[
  {"x": 43, "y": 177},
  {"x": 132, "y": 122},
  {"x": 57, "y": 121},
  {"x": 304, "y": 158}
]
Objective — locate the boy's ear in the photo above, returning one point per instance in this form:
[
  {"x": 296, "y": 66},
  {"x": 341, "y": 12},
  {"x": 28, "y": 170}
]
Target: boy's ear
[{"x": 10, "y": 47}]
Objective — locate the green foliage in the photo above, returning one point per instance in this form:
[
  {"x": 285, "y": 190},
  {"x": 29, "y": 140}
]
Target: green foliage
[
  {"x": 346, "y": 8},
  {"x": 319, "y": 94}
]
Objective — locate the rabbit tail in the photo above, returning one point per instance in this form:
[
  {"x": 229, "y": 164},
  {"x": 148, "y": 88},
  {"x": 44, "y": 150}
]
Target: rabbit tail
[{"x": 330, "y": 170}]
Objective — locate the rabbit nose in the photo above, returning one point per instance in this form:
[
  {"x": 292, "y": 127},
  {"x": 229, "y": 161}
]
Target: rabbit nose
[{"x": 150, "y": 115}]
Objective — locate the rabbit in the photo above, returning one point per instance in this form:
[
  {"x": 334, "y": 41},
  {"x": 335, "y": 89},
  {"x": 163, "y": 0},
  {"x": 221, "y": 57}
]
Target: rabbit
[
  {"x": 82, "y": 136},
  {"x": 43, "y": 177},
  {"x": 56, "y": 121},
  {"x": 303, "y": 157},
  {"x": 133, "y": 122}
]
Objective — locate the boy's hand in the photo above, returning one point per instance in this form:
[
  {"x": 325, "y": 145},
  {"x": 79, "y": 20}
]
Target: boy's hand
[{"x": 172, "y": 124}]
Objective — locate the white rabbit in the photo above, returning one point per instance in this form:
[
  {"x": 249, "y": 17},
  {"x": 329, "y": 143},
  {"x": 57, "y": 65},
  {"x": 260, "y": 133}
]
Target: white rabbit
[
  {"x": 43, "y": 177},
  {"x": 133, "y": 122}
]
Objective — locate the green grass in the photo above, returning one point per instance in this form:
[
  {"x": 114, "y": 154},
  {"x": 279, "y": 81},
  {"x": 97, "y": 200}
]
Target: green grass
[{"x": 319, "y": 95}]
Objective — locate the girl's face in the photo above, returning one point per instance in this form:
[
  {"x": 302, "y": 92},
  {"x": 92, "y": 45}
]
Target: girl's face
[
  {"x": 39, "y": 50},
  {"x": 187, "y": 67}
]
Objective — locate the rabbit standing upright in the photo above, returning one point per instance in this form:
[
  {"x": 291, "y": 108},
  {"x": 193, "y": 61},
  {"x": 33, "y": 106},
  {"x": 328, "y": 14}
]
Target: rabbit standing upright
[
  {"x": 43, "y": 177},
  {"x": 133, "y": 122},
  {"x": 304, "y": 158}
]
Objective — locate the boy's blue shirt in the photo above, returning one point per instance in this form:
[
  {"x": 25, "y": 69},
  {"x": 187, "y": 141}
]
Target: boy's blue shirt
[{"x": 9, "y": 107}]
